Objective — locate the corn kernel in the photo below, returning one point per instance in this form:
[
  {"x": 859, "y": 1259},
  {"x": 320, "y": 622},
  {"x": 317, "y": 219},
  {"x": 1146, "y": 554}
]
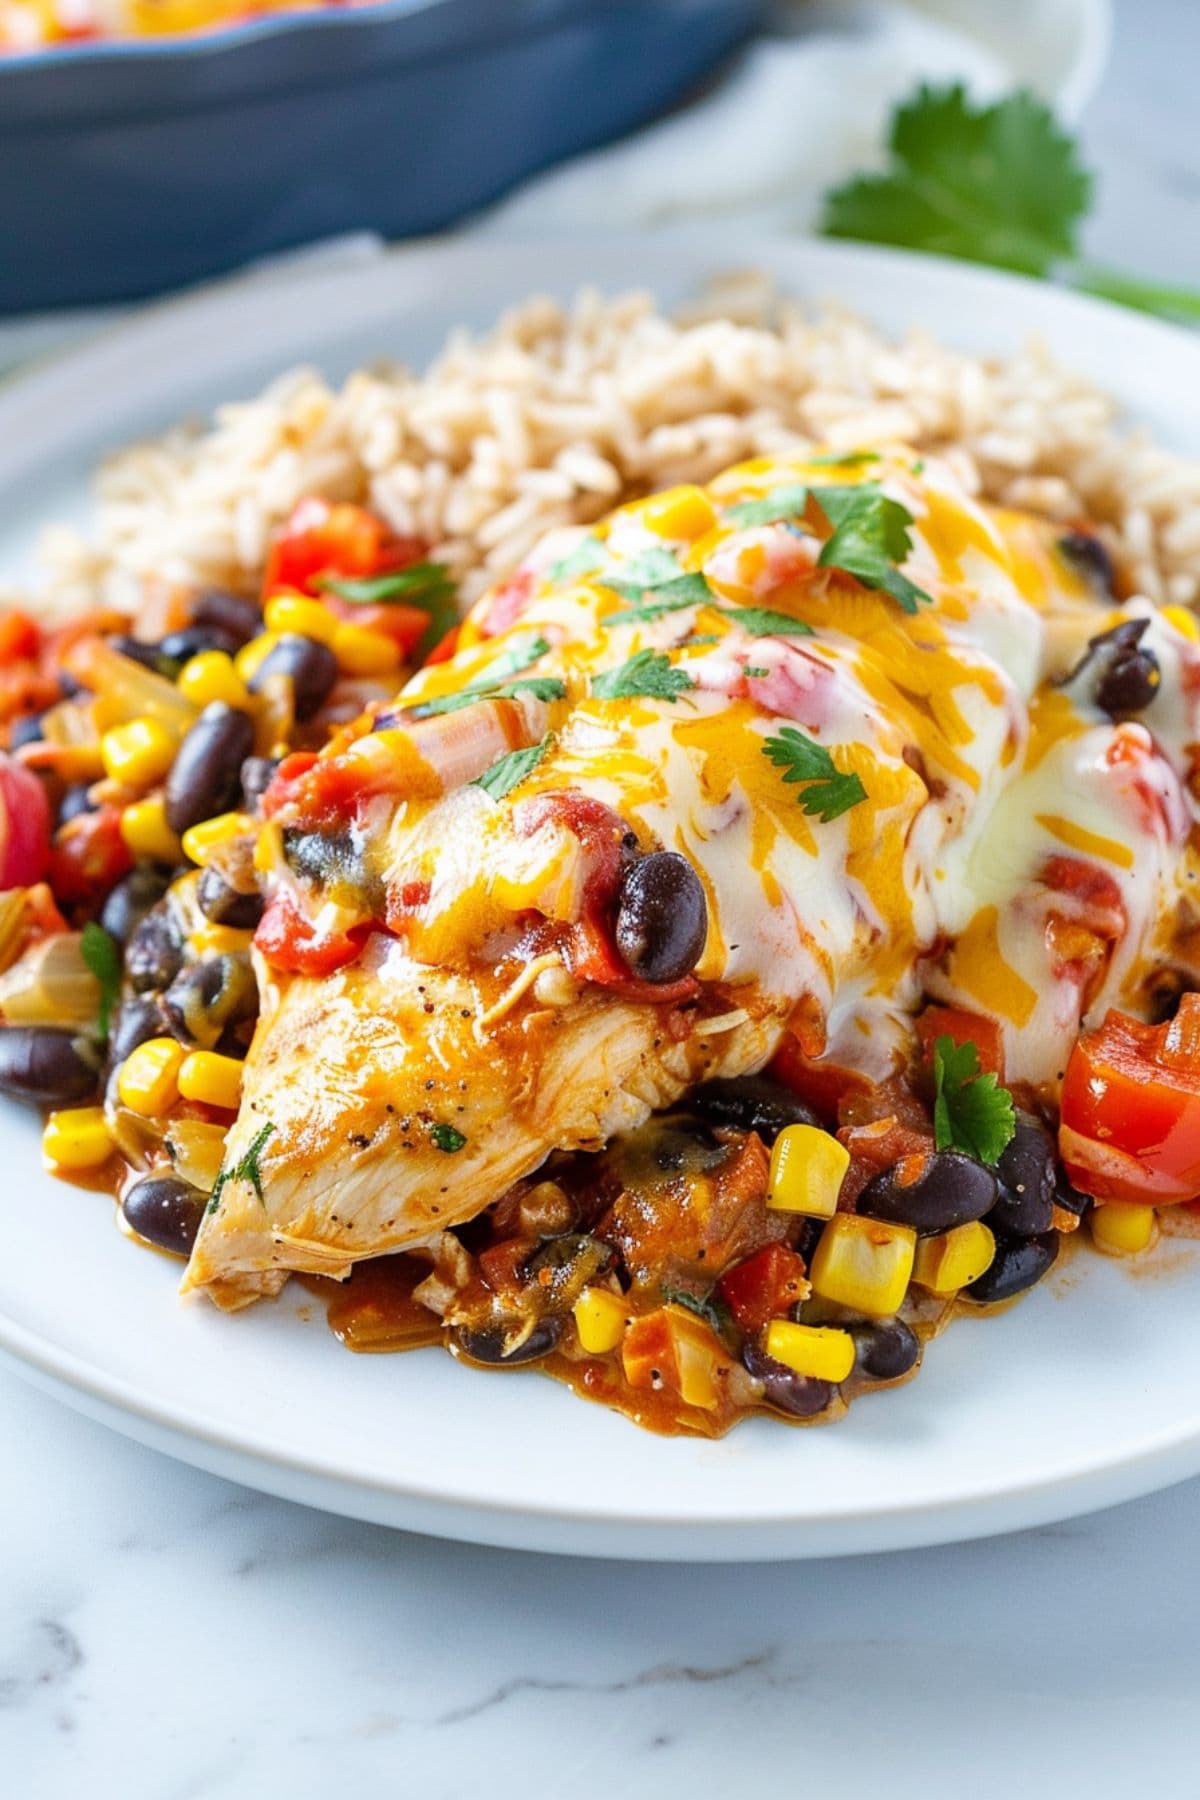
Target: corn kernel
[
  {"x": 294, "y": 614},
  {"x": 148, "y": 1078},
  {"x": 599, "y": 1320},
  {"x": 215, "y": 1080},
  {"x": 251, "y": 657},
  {"x": 1184, "y": 621},
  {"x": 1124, "y": 1226},
  {"x": 211, "y": 676},
  {"x": 199, "y": 841},
  {"x": 211, "y": 939},
  {"x": 139, "y": 753},
  {"x": 680, "y": 512},
  {"x": 361, "y": 652},
  {"x": 146, "y": 832},
  {"x": 955, "y": 1258},
  {"x": 864, "y": 1264},
  {"x": 807, "y": 1166},
  {"x": 818, "y": 1350},
  {"x": 77, "y": 1138}
]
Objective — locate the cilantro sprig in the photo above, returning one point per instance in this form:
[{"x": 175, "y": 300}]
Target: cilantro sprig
[
  {"x": 872, "y": 535},
  {"x": 247, "y": 1168},
  {"x": 648, "y": 675},
  {"x": 100, "y": 953},
  {"x": 495, "y": 685},
  {"x": 511, "y": 769},
  {"x": 447, "y": 1138},
  {"x": 971, "y": 1112},
  {"x": 828, "y": 792},
  {"x": 426, "y": 585},
  {"x": 1000, "y": 184}
]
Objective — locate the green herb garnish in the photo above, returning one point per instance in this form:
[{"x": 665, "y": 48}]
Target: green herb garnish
[
  {"x": 509, "y": 770},
  {"x": 755, "y": 673},
  {"x": 780, "y": 503},
  {"x": 100, "y": 953},
  {"x": 446, "y": 1137},
  {"x": 828, "y": 793},
  {"x": 844, "y": 459},
  {"x": 713, "y": 1312},
  {"x": 587, "y": 557},
  {"x": 971, "y": 1112},
  {"x": 247, "y": 1169},
  {"x": 414, "y": 586},
  {"x": 871, "y": 535},
  {"x": 648, "y": 675},
  {"x": 670, "y": 596},
  {"x": 761, "y": 621},
  {"x": 1000, "y": 184}
]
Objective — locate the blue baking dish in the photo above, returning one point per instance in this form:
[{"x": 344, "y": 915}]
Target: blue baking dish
[{"x": 127, "y": 167}]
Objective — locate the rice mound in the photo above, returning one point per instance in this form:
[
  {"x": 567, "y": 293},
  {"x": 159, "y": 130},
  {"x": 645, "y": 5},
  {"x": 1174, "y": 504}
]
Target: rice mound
[{"x": 558, "y": 414}]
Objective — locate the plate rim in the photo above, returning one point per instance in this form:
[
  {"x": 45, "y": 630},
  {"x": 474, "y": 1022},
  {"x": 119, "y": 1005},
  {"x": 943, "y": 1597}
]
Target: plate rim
[{"x": 1170, "y": 1454}]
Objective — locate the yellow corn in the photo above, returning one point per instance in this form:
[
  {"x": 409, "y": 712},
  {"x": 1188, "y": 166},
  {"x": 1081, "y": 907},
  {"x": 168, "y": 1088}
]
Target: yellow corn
[
  {"x": 211, "y": 939},
  {"x": 599, "y": 1320},
  {"x": 362, "y": 652},
  {"x": 807, "y": 1166},
  {"x": 148, "y": 1079},
  {"x": 146, "y": 832},
  {"x": 252, "y": 656},
  {"x": 864, "y": 1264},
  {"x": 215, "y": 1080},
  {"x": 138, "y": 754},
  {"x": 77, "y": 1138},
  {"x": 680, "y": 512},
  {"x": 953, "y": 1259},
  {"x": 818, "y": 1350},
  {"x": 211, "y": 676},
  {"x": 199, "y": 841},
  {"x": 1183, "y": 621},
  {"x": 1124, "y": 1226},
  {"x": 305, "y": 618}
]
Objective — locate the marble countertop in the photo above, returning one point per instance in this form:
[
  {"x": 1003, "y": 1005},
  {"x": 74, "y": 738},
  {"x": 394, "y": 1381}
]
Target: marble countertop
[{"x": 165, "y": 1635}]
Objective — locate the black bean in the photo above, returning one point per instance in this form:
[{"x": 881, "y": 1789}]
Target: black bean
[
  {"x": 486, "y": 1344},
  {"x": 139, "y": 1018},
  {"x": 801, "y": 1396},
  {"x": 154, "y": 953},
  {"x": 1070, "y": 1199},
  {"x": 932, "y": 1192},
  {"x": 1091, "y": 558},
  {"x": 257, "y": 773},
  {"x": 238, "y": 617},
  {"x": 46, "y": 1067},
  {"x": 1019, "y": 1263},
  {"x": 75, "y": 801},
  {"x": 26, "y": 728},
  {"x": 165, "y": 1211},
  {"x": 148, "y": 655},
  {"x": 211, "y": 995},
  {"x": 662, "y": 917},
  {"x": 1025, "y": 1173},
  {"x": 1130, "y": 684},
  {"x": 886, "y": 1349},
  {"x": 224, "y": 905},
  {"x": 131, "y": 899},
  {"x": 324, "y": 856},
  {"x": 181, "y": 646},
  {"x": 750, "y": 1103},
  {"x": 311, "y": 667},
  {"x": 205, "y": 777}
]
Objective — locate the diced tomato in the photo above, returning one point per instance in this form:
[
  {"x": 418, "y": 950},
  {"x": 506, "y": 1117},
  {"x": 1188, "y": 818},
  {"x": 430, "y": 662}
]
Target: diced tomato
[
  {"x": 880, "y": 1144},
  {"x": 88, "y": 856},
  {"x": 20, "y": 639},
  {"x": 24, "y": 826},
  {"x": 592, "y": 956},
  {"x": 964, "y": 1028},
  {"x": 444, "y": 649},
  {"x": 291, "y": 942},
  {"x": 338, "y": 540},
  {"x": 405, "y": 625},
  {"x": 764, "y": 1287},
  {"x": 825, "y": 1086},
  {"x": 1130, "y": 1118}
]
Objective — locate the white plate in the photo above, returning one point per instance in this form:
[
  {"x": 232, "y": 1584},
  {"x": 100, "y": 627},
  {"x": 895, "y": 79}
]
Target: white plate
[{"x": 1084, "y": 1394}]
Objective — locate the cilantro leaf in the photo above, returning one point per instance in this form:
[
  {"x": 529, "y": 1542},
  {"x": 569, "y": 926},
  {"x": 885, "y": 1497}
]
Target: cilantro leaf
[
  {"x": 828, "y": 792},
  {"x": 670, "y": 596},
  {"x": 999, "y": 184},
  {"x": 870, "y": 536},
  {"x": 971, "y": 1112},
  {"x": 651, "y": 568},
  {"x": 507, "y": 771},
  {"x": 246, "y": 1169},
  {"x": 648, "y": 675},
  {"x": 447, "y": 1138},
  {"x": 427, "y": 585},
  {"x": 780, "y": 503},
  {"x": 493, "y": 685},
  {"x": 100, "y": 953},
  {"x": 845, "y": 459},
  {"x": 588, "y": 556},
  {"x": 762, "y": 621}
]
